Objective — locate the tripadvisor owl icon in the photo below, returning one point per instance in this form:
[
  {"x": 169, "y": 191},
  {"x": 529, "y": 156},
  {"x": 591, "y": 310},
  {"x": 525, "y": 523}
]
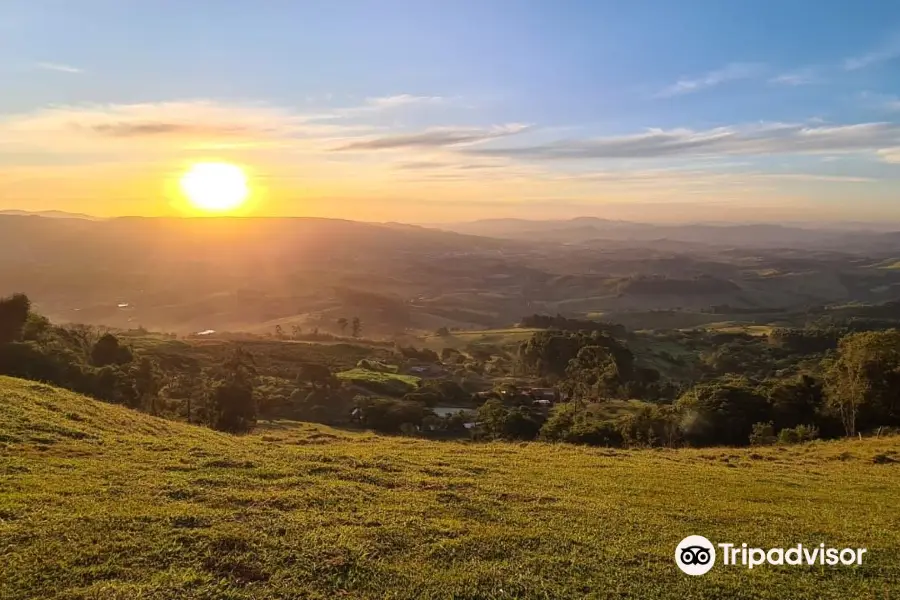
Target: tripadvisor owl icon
[{"x": 695, "y": 555}]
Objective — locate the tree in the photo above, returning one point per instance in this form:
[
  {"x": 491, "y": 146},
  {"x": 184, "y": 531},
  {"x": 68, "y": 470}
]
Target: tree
[
  {"x": 342, "y": 325},
  {"x": 147, "y": 380},
  {"x": 37, "y": 328},
  {"x": 722, "y": 412},
  {"x": 233, "y": 407},
  {"x": 356, "y": 327},
  {"x": 239, "y": 367},
  {"x": 593, "y": 373},
  {"x": 279, "y": 332},
  {"x": 516, "y": 423},
  {"x": 107, "y": 351},
  {"x": 112, "y": 384},
  {"x": 796, "y": 402},
  {"x": 650, "y": 425},
  {"x": 862, "y": 383},
  {"x": 491, "y": 417},
  {"x": 389, "y": 416},
  {"x": 549, "y": 352},
  {"x": 80, "y": 337},
  {"x": 521, "y": 424},
  {"x": 13, "y": 315},
  {"x": 316, "y": 375},
  {"x": 321, "y": 405},
  {"x": 296, "y": 331},
  {"x": 191, "y": 390},
  {"x": 232, "y": 403}
]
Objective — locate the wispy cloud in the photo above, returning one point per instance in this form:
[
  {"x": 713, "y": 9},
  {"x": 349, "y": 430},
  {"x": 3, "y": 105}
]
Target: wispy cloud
[
  {"x": 153, "y": 119},
  {"x": 169, "y": 126},
  {"x": 149, "y": 128},
  {"x": 753, "y": 140},
  {"x": 887, "y": 51},
  {"x": 400, "y": 100},
  {"x": 806, "y": 76},
  {"x": 890, "y": 155},
  {"x": 424, "y": 165},
  {"x": 383, "y": 104},
  {"x": 59, "y": 67},
  {"x": 732, "y": 72},
  {"x": 436, "y": 138}
]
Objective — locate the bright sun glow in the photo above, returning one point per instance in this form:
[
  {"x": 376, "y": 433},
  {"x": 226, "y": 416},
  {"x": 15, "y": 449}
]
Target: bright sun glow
[{"x": 215, "y": 187}]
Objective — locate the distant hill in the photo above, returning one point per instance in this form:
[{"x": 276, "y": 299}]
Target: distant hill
[
  {"x": 241, "y": 273},
  {"x": 50, "y": 214},
  {"x": 586, "y": 229},
  {"x": 256, "y": 274}
]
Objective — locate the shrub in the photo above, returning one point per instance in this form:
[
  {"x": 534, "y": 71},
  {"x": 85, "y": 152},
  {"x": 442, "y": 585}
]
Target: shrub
[
  {"x": 798, "y": 434},
  {"x": 763, "y": 434}
]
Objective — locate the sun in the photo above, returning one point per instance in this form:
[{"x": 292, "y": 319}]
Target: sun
[{"x": 215, "y": 187}]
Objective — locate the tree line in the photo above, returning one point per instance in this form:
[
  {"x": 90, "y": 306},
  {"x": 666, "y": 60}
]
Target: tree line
[
  {"x": 793, "y": 385},
  {"x": 87, "y": 361}
]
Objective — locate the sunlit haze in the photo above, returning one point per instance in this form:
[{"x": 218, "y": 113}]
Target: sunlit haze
[{"x": 429, "y": 112}]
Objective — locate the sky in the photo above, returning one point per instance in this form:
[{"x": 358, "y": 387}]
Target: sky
[{"x": 404, "y": 110}]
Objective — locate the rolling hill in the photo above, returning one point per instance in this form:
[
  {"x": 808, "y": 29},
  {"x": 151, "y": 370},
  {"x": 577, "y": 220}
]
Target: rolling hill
[
  {"x": 256, "y": 274},
  {"x": 98, "y": 501},
  {"x": 748, "y": 235}
]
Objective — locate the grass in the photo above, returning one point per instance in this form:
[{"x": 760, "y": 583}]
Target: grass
[
  {"x": 378, "y": 378},
  {"x": 461, "y": 339},
  {"x": 732, "y": 327},
  {"x": 99, "y": 502},
  {"x": 272, "y": 357}
]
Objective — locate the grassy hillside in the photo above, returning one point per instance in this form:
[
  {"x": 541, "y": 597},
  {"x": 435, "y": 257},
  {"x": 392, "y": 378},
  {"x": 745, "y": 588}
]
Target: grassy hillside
[{"x": 100, "y": 502}]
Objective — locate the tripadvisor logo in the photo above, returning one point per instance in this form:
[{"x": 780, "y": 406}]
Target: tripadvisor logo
[{"x": 696, "y": 555}]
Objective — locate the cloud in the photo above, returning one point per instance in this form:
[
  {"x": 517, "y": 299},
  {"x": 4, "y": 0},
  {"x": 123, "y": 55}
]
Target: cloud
[
  {"x": 888, "y": 51},
  {"x": 732, "y": 72},
  {"x": 417, "y": 165},
  {"x": 794, "y": 78},
  {"x": 421, "y": 165},
  {"x": 890, "y": 155},
  {"x": 189, "y": 122},
  {"x": 139, "y": 129},
  {"x": 709, "y": 177},
  {"x": 754, "y": 140},
  {"x": 59, "y": 67},
  {"x": 436, "y": 138},
  {"x": 815, "y": 177},
  {"x": 380, "y": 104},
  {"x": 400, "y": 100}
]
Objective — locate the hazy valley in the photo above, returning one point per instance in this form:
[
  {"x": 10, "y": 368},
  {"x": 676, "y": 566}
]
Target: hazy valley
[{"x": 191, "y": 275}]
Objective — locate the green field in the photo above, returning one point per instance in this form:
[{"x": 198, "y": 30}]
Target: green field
[
  {"x": 370, "y": 376},
  {"x": 461, "y": 339},
  {"x": 100, "y": 502},
  {"x": 732, "y": 327}
]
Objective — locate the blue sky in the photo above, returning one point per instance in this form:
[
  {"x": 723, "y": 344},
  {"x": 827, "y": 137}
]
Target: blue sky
[{"x": 424, "y": 111}]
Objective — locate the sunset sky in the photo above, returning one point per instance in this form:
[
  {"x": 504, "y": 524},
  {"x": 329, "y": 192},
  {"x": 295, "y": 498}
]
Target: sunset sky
[{"x": 424, "y": 111}]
